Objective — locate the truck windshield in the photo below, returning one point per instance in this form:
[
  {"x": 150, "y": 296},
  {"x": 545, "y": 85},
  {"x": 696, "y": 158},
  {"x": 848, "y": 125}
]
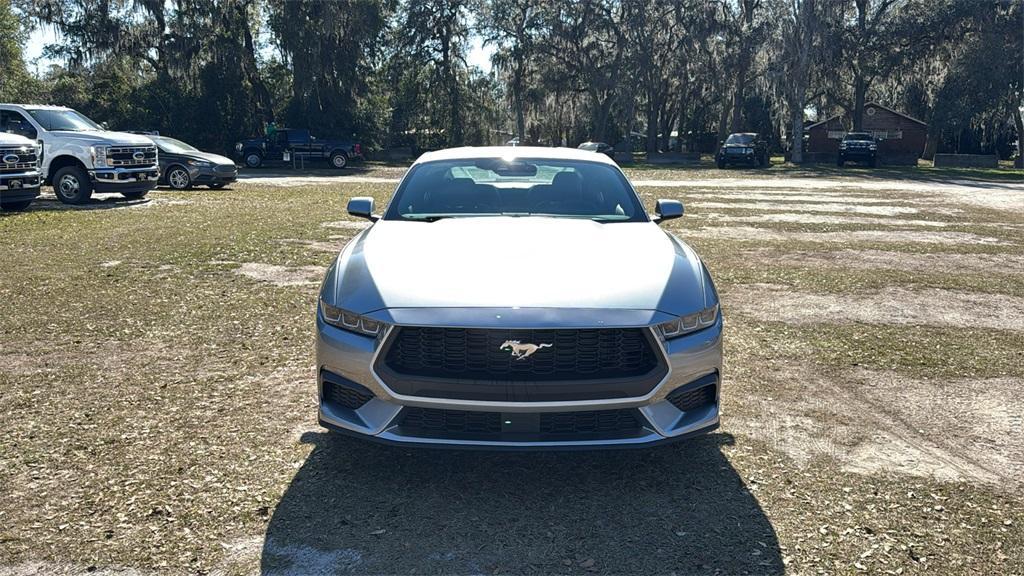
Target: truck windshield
[
  {"x": 520, "y": 187},
  {"x": 63, "y": 120},
  {"x": 740, "y": 139}
]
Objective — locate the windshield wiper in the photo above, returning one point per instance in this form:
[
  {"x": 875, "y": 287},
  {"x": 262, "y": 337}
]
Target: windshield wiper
[{"x": 428, "y": 217}]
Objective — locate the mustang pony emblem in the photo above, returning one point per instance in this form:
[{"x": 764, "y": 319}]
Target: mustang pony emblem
[{"x": 522, "y": 351}]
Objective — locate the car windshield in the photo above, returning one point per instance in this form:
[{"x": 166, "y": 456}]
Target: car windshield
[
  {"x": 516, "y": 187},
  {"x": 63, "y": 120},
  {"x": 859, "y": 136},
  {"x": 174, "y": 146},
  {"x": 740, "y": 139}
]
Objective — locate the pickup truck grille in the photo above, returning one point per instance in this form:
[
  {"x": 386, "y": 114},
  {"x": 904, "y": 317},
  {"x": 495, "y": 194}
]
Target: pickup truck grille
[
  {"x": 473, "y": 364},
  {"x": 132, "y": 156},
  {"x": 27, "y": 160}
]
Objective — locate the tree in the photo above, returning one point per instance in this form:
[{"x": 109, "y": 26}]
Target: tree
[
  {"x": 16, "y": 84},
  {"x": 512, "y": 25},
  {"x": 798, "y": 31}
]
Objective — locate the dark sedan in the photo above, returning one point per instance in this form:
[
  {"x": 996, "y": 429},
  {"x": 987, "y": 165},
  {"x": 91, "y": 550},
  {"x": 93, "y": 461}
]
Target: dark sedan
[
  {"x": 183, "y": 166},
  {"x": 599, "y": 147}
]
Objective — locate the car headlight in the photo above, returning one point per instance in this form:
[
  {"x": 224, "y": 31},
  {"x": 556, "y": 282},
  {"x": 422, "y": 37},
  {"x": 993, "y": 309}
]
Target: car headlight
[
  {"x": 350, "y": 321},
  {"x": 689, "y": 323},
  {"x": 873, "y": 146},
  {"x": 238, "y": 147},
  {"x": 842, "y": 145},
  {"x": 198, "y": 163},
  {"x": 99, "y": 156}
]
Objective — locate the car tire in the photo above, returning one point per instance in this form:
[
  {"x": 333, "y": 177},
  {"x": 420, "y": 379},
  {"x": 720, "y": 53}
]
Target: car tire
[
  {"x": 71, "y": 184},
  {"x": 178, "y": 178},
  {"x": 253, "y": 159},
  {"x": 15, "y": 206},
  {"x": 135, "y": 195},
  {"x": 721, "y": 164},
  {"x": 339, "y": 160}
]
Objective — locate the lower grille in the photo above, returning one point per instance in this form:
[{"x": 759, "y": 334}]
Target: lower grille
[
  {"x": 686, "y": 400},
  {"x": 495, "y": 426},
  {"x": 343, "y": 393},
  {"x": 26, "y": 160}
]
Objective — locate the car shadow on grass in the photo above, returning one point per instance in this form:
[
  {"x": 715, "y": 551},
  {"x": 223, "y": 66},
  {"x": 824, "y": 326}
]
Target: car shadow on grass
[
  {"x": 48, "y": 203},
  {"x": 357, "y": 507}
]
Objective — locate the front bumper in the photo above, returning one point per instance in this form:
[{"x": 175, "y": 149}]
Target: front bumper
[
  {"x": 694, "y": 367},
  {"x": 857, "y": 154},
  {"x": 125, "y": 179},
  {"x": 19, "y": 186}
]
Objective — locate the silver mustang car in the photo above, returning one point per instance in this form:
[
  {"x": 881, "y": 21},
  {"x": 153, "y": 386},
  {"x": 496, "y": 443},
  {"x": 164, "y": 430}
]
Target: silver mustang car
[{"x": 518, "y": 298}]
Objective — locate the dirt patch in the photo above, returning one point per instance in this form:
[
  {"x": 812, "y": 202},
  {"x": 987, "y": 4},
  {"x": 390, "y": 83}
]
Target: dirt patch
[
  {"x": 749, "y": 233},
  {"x": 928, "y": 307},
  {"x": 281, "y": 275},
  {"x": 827, "y": 219},
  {"x": 347, "y": 224},
  {"x": 874, "y": 259},
  {"x": 46, "y": 569},
  {"x": 873, "y": 421},
  {"x": 293, "y": 181},
  {"x": 822, "y": 196},
  {"x": 805, "y": 207}
]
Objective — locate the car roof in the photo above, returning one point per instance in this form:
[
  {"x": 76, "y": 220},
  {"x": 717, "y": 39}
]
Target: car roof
[
  {"x": 35, "y": 106},
  {"x": 536, "y": 152}
]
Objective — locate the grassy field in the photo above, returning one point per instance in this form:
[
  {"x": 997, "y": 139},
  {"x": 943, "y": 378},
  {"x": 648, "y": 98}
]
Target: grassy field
[{"x": 158, "y": 396}]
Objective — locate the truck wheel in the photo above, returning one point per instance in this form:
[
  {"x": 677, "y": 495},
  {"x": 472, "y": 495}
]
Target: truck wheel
[
  {"x": 840, "y": 162},
  {"x": 178, "y": 178},
  {"x": 339, "y": 160},
  {"x": 15, "y": 206},
  {"x": 71, "y": 185},
  {"x": 253, "y": 159},
  {"x": 721, "y": 164},
  {"x": 135, "y": 195}
]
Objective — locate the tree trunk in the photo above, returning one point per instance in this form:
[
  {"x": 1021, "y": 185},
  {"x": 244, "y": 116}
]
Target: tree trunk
[
  {"x": 517, "y": 89},
  {"x": 859, "y": 93},
  {"x": 652, "y": 128},
  {"x": 796, "y": 118},
  {"x": 1018, "y": 120}
]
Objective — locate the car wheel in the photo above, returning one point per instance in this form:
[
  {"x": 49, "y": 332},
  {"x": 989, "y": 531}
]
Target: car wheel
[
  {"x": 178, "y": 178},
  {"x": 721, "y": 164},
  {"x": 840, "y": 162},
  {"x": 135, "y": 195},
  {"x": 253, "y": 159},
  {"x": 217, "y": 185},
  {"x": 71, "y": 185},
  {"x": 339, "y": 160},
  {"x": 15, "y": 206}
]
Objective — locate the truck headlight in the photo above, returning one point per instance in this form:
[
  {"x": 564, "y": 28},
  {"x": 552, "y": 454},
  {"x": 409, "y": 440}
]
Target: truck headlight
[
  {"x": 873, "y": 147},
  {"x": 99, "y": 156},
  {"x": 689, "y": 323},
  {"x": 350, "y": 321},
  {"x": 238, "y": 147}
]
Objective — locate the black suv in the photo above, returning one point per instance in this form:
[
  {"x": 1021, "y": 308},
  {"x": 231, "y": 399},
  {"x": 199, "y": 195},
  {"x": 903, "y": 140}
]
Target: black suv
[
  {"x": 743, "y": 148},
  {"x": 290, "y": 143},
  {"x": 858, "y": 147}
]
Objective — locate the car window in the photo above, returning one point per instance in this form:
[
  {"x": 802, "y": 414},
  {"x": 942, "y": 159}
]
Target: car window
[
  {"x": 516, "y": 187},
  {"x": 69, "y": 120},
  {"x": 740, "y": 139},
  {"x": 859, "y": 136},
  {"x": 14, "y": 122}
]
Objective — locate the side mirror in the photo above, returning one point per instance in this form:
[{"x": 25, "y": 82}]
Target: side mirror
[
  {"x": 667, "y": 210},
  {"x": 362, "y": 207}
]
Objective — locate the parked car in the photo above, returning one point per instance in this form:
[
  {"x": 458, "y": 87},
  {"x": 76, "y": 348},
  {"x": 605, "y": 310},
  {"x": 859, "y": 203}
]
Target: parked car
[
  {"x": 289, "y": 142},
  {"x": 19, "y": 172},
  {"x": 747, "y": 148},
  {"x": 80, "y": 156},
  {"x": 183, "y": 166},
  {"x": 604, "y": 331},
  {"x": 858, "y": 147},
  {"x": 599, "y": 147}
]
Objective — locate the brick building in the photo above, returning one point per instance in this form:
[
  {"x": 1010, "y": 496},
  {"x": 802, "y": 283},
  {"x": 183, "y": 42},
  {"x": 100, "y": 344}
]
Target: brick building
[{"x": 900, "y": 138}]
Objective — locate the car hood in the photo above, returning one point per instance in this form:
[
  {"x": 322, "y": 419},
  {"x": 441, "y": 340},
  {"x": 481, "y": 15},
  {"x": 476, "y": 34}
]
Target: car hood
[
  {"x": 14, "y": 140},
  {"x": 105, "y": 137},
  {"x": 205, "y": 156},
  {"x": 509, "y": 262}
]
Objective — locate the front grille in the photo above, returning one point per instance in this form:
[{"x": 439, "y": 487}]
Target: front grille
[
  {"x": 476, "y": 354},
  {"x": 692, "y": 398},
  {"x": 27, "y": 160},
  {"x": 494, "y": 426},
  {"x": 348, "y": 395},
  {"x": 226, "y": 167},
  {"x": 125, "y": 156}
]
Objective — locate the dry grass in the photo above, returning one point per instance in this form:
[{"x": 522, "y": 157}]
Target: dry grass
[{"x": 159, "y": 414}]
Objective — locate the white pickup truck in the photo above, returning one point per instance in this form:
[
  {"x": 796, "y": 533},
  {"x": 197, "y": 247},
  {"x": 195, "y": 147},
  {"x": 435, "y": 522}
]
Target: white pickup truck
[
  {"x": 19, "y": 172},
  {"x": 79, "y": 156}
]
